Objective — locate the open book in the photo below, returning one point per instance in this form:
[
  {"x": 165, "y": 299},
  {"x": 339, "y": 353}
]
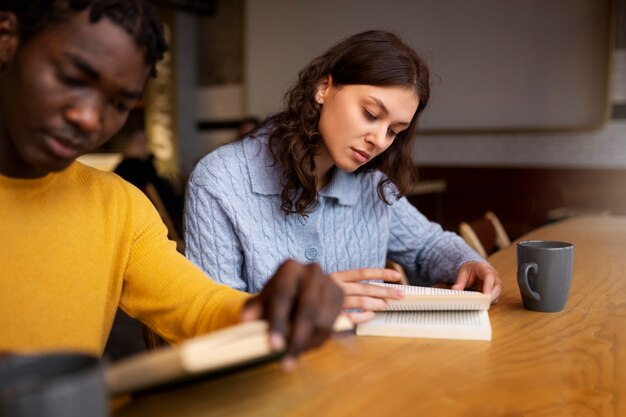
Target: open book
[
  {"x": 234, "y": 346},
  {"x": 432, "y": 313}
]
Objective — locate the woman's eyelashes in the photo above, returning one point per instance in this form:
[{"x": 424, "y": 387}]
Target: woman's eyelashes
[{"x": 370, "y": 116}]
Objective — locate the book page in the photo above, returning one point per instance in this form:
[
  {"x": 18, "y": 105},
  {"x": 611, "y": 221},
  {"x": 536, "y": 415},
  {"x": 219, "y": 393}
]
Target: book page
[
  {"x": 467, "y": 325},
  {"x": 428, "y": 298}
]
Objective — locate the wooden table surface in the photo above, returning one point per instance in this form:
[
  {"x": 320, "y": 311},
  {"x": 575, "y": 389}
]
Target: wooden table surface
[{"x": 571, "y": 363}]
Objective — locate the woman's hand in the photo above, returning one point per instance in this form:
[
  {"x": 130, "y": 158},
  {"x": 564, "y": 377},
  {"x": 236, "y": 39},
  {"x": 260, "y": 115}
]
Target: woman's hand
[
  {"x": 479, "y": 276},
  {"x": 366, "y": 297}
]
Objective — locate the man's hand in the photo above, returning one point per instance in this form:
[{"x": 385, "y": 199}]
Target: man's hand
[
  {"x": 301, "y": 304},
  {"x": 479, "y": 276},
  {"x": 366, "y": 297}
]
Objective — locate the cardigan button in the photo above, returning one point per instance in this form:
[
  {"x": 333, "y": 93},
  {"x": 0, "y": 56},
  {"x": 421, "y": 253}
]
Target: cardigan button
[{"x": 311, "y": 253}]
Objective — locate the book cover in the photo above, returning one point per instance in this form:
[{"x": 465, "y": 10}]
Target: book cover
[{"x": 231, "y": 347}]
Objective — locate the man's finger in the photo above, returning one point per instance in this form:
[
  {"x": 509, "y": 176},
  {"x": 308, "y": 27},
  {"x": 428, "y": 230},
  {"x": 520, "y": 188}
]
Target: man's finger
[
  {"x": 304, "y": 323},
  {"x": 280, "y": 295},
  {"x": 332, "y": 299}
]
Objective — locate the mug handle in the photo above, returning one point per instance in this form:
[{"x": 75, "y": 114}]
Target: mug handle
[{"x": 522, "y": 280}]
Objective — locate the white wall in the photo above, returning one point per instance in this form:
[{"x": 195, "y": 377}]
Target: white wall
[
  {"x": 495, "y": 64},
  {"x": 601, "y": 148}
]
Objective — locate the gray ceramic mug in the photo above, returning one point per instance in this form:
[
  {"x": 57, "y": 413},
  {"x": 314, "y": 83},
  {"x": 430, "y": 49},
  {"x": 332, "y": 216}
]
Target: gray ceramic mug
[
  {"x": 544, "y": 274},
  {"x": 52, "y": 385}
]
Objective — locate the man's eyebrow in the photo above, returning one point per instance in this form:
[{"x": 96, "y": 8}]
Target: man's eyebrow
[
  {"x": 87, "y": 69},
  {"x": 83, "y": 66},
  {"x": 384, "y": 109}
]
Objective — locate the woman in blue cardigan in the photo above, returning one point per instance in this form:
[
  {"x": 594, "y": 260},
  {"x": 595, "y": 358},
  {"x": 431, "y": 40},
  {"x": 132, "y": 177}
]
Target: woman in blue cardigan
[{"x": 323, "y": 181}]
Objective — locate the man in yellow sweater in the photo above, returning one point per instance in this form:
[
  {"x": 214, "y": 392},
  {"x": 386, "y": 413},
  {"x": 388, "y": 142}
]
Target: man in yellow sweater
[{"x": 76, "y": 243}]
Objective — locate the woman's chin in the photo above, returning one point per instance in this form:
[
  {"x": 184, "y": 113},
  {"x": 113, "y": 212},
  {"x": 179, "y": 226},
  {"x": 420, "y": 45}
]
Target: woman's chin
[{"x": 348, "y": 168}]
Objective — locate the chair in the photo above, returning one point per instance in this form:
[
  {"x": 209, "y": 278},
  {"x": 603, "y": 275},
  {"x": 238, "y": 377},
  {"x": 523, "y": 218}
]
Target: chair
[
  {"x": 485, "y": 235},
  {"x": 151, "y": 338},
  {"x": 153, "y": 195}
]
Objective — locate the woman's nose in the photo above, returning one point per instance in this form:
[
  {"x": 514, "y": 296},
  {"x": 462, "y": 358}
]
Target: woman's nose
[{"x": 378, "y": 137}]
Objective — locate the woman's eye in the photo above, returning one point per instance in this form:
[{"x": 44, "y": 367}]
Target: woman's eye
[
  {"x": 392, "y": 133},
  {"x": 370, "y": 116}
]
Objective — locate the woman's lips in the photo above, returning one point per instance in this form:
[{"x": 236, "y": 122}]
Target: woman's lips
[{"x": 361, "y": 156}]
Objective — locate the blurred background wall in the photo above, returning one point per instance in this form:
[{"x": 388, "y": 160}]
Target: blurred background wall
[{"x": 522, "y": 171}]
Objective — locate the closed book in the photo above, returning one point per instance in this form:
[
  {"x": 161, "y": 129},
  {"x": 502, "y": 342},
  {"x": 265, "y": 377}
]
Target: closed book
[{"x": 231, "y": 347}]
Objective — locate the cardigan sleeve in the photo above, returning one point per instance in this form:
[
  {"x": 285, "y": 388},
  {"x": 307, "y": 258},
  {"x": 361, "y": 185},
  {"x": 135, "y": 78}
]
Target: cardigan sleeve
[{"x": 428, "y": 253}]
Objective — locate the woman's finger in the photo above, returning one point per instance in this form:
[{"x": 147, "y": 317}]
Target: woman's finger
[
  {"x": 364, "y": 274},
  {"x": 361, "y": 316},
  {"x": 370, "y": 290}
]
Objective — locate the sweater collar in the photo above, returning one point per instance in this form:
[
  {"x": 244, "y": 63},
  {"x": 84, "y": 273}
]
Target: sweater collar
[
  {"x": 32, "y": 185},
  {"x": 265, "y": 175}
]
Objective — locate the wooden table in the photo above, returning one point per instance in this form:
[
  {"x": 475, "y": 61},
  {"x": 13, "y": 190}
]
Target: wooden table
[{"x": 571, "y": 363}]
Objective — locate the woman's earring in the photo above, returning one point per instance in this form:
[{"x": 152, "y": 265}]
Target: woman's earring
[{"x": 319, "y": 100}]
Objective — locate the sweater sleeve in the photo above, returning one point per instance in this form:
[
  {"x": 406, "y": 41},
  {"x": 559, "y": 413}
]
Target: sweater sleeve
[
  {"x": 428, "y": 253},
  {"x": 211, "y": 239},
  {"x": 166, "y": 291}
]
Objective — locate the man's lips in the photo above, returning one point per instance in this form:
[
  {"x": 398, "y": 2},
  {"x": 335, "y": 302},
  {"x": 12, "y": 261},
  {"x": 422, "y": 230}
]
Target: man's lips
[{"x": 62, "y": 147}]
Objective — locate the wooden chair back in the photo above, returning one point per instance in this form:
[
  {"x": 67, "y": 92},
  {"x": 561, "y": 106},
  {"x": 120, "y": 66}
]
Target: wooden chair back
[
  {"x": 485, "y": 235},
  {"x": 151, "y": 338},
  {"x": 152, "y": 193}
]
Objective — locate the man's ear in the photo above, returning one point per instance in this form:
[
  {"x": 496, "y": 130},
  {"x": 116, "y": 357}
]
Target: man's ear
[
  {"x": 9, "y": 37},
  {"x": 323, "y": 86}
]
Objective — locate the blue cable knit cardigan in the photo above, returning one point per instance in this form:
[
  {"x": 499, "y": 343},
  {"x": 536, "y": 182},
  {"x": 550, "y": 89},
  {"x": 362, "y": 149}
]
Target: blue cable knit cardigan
[{"x": 236, "y": 232}]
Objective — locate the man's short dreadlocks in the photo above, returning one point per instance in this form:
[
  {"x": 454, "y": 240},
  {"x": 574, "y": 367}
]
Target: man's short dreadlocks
[{"x": 136, "y": 17}]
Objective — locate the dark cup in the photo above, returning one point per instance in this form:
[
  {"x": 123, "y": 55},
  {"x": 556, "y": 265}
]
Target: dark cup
[
  {"x": 68, "y": 385},
  {"x": 544, "y": 274}
]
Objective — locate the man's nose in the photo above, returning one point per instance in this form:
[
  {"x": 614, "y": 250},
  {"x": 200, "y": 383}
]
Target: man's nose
[{"x": 86, "y": 115}]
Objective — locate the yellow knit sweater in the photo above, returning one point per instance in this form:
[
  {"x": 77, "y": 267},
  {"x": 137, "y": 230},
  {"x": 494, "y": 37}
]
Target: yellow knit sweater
[{"x": 76, "y": 244}]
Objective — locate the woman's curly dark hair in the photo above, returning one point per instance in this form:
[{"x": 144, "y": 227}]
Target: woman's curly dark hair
[
  {"x": 377, "y": 58},
  {"x": 136, "y": 17}
]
